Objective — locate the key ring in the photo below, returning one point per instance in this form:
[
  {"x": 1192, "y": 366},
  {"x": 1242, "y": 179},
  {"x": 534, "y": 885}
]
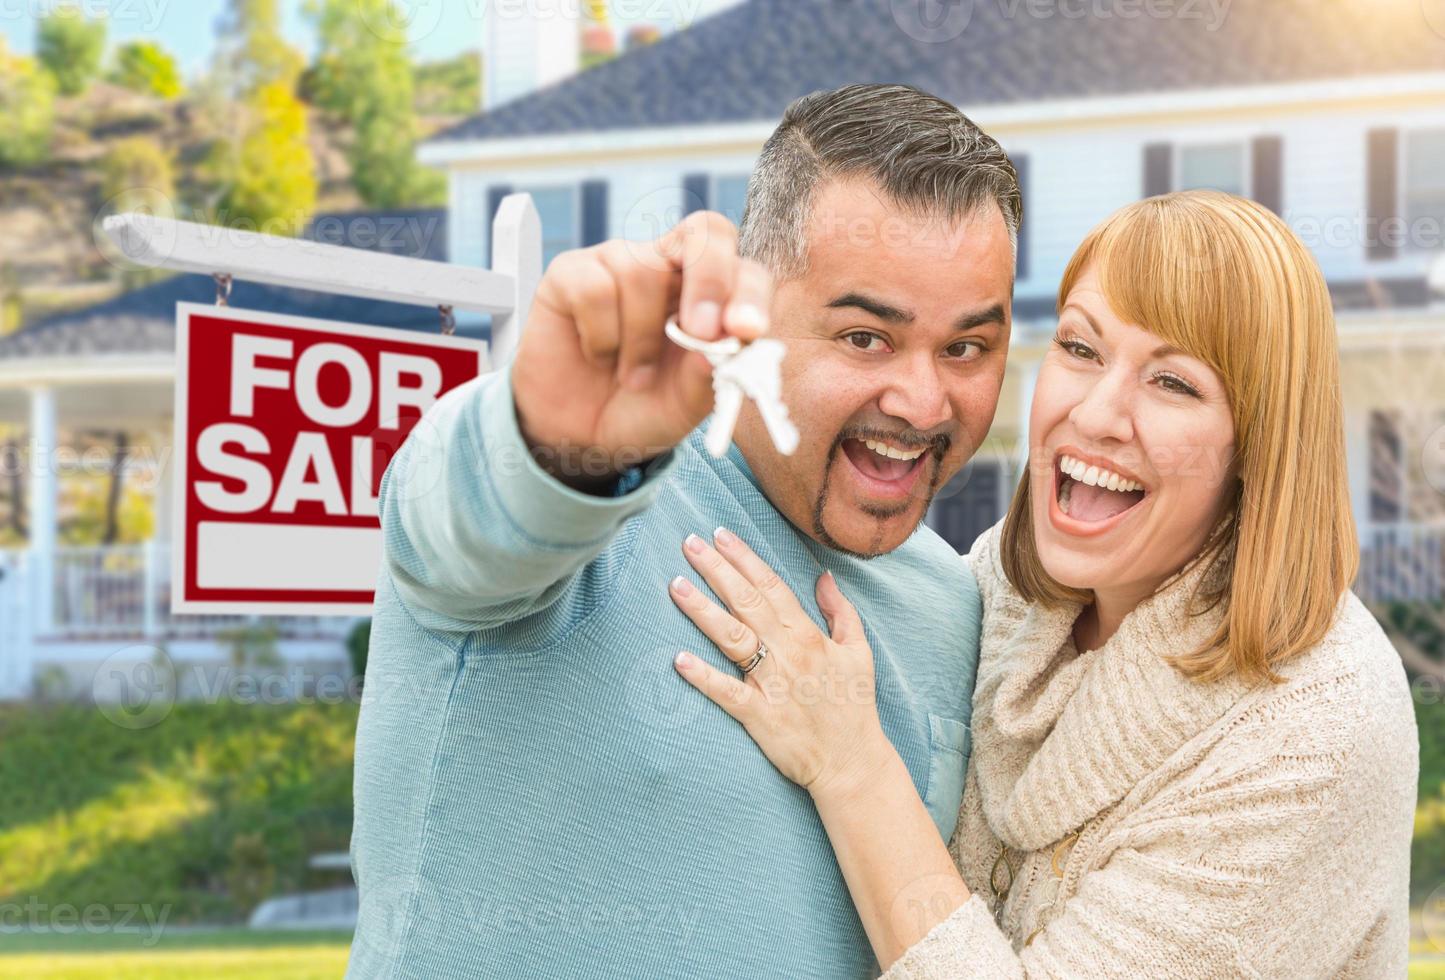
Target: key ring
[{"x": 711, "y": 349}]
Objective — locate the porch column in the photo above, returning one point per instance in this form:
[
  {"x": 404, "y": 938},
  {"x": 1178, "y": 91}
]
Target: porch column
[{"x": 44, "y": 492}]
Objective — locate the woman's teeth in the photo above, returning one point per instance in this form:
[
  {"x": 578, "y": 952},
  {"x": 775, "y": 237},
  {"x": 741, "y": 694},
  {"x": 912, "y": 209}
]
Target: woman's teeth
[
  {"x": 1095, "y": 477},
  {"x": 883, "y": 449}
]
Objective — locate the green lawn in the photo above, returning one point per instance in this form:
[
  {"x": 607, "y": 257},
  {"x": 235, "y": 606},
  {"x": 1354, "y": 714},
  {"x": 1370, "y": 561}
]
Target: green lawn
[
  {"x": 183, "y": 955},
  {"x": 229, "y": 955},
  {"x": 201, "y": 816},
  {"x": 194, "y": 820}
]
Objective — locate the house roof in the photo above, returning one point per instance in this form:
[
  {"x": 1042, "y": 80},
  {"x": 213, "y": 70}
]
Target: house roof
[
  {"x": 747, "y": 63},
  {"x": 144, "y": 320}
]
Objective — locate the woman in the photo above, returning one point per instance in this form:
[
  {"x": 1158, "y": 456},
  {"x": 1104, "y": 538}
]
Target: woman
[{"x": 1194, "y": 751}]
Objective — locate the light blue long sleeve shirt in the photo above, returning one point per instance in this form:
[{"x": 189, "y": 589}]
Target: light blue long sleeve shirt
[{"x": 539, "y": 794}]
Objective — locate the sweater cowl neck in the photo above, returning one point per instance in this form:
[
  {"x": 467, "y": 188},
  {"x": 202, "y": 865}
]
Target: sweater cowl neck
[{"x": 1061, "y": 736}]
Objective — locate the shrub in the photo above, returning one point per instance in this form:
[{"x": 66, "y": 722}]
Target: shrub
[
  {"x": 27, "y": 110},
  {"x": 144, "y": 66},
  {"x": 70, "y": 47}
]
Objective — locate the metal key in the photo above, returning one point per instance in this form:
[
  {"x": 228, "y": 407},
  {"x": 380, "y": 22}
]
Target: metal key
[{"x": 742, "y": 371}]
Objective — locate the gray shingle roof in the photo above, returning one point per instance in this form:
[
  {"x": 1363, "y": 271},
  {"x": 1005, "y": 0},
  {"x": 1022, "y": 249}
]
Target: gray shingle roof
[
  {"x": 144, "y": 320},
  {"x": 747, "y": 63}
]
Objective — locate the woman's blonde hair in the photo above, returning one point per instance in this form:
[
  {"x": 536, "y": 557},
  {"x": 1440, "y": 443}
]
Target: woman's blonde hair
[{"x": 1228, "y": 282}]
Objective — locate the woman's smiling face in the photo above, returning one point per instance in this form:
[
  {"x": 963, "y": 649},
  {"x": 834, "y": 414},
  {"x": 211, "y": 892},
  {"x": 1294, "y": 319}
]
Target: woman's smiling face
[{"x": 1132, "y": 452}]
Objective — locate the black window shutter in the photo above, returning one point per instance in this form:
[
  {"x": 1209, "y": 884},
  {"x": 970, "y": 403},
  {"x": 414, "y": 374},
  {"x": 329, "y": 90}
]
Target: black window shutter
[
  {"x": 1021, "y": 165},
  {"x": 495, "y": 193},
  {"x": 1382, "y": 193},
  {"x": 1267, "y": 179},
  {"x": 1158, "y": 169},
  {"x": 695, "y": 189},
  {"x": 594, "y": 212}
]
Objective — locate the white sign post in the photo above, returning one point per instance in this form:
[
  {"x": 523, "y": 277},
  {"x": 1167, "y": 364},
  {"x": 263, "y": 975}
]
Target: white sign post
[{"x": 284, "y": 425}]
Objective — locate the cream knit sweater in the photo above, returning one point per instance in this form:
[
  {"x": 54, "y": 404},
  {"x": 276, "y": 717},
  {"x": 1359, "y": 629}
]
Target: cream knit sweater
[{"x": 1122, "y": 820}]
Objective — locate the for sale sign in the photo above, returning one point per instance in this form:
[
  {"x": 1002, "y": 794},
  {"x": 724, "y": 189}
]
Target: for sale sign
[{"x": 284, "y": 426}]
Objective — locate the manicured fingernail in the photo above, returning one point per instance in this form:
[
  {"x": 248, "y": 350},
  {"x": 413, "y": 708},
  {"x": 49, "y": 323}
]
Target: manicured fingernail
[
  {"x": 685, "y": 660},
  {"x": 747, "y": 317},
  {"x": 694, "y": 544},
  {"x": 682, "y": 586},
  {"x": 640, "y": 378},
  {"x": 705, "y": 319},
  {"x": 723, "y": 536}
]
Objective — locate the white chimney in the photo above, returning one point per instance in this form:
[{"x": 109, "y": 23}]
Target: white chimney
[{"x": 528, "y": 46}]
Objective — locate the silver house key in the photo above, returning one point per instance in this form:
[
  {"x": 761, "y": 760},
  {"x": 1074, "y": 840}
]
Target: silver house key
[{"x": 743, "y": 371}]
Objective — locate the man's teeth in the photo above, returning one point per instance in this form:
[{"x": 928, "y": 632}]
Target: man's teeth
[
  {"x": 1096, "y": 477},
  {"x": 883, "y": 449}
]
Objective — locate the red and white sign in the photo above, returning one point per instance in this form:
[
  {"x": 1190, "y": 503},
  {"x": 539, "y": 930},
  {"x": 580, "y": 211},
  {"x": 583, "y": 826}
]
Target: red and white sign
[{"x": 284, "y": 426}]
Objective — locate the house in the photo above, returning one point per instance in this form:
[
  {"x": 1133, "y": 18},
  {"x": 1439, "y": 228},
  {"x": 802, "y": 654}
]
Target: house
[{"x": 1332, "y": 114}]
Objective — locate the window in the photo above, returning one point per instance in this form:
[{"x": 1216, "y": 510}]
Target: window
[
  {"x": 1220, "y": 166},
  {"x": 558, "y": 209},
  {"x": 729, "y": 194},
  {"x": 1425, "y": 189}
]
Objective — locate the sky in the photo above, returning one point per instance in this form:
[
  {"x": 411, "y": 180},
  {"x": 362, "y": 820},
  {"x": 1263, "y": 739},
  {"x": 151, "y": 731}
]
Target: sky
[{"x": 440, "y": 28}]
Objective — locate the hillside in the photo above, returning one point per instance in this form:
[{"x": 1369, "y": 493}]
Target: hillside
[{"x": 49, "y": 212}]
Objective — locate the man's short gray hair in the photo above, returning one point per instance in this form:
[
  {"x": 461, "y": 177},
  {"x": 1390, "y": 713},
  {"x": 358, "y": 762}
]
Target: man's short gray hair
[{"x": 926, "y": 155}]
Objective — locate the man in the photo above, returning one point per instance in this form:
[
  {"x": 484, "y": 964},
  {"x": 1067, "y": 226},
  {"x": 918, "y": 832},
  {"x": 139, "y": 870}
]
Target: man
[{"x": 537, "y": 792}]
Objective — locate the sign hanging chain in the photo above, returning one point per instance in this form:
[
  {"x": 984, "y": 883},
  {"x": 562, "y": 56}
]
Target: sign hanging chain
[
  {"x": 449, "y": 319},
  {"x": 223, "y": 288}
]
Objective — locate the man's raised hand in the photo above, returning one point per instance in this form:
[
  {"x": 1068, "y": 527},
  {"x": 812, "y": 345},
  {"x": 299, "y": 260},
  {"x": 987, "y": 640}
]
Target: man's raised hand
[{"x": 598, "y": 387}]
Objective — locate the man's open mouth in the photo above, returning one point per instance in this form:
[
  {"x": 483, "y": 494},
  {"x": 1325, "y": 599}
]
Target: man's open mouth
[
  {"x": 1093, "y": 494},
  {"x": 886, "y": 468}
]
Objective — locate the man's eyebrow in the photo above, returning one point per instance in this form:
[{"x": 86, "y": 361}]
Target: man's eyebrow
[
  {"x": 981, "y": 318},
  {"x": 868, "y": 305}
]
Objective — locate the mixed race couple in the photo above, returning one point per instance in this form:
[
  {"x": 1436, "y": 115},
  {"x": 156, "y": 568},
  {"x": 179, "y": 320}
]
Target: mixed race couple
[{"x": 636, "y": 712}]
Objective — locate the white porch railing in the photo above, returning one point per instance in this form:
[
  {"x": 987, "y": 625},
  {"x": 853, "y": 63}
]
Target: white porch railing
[
  {"x": 125, "y": 590},
  {"x": 1402, "y": 563}
]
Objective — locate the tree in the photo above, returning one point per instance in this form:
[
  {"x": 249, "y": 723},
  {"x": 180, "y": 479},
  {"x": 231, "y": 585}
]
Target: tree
[
  {"x": 268, "y": 169},
  {"x": 273, "y": 183},
  {"x": 27, "y": 110},
  {"x": 363, "y": 74},
  {"x": 70, "y": 47},
  {"x": 449, "y": 88},
  {"x": 251, "y": 50},
  {"x": 144, "y": 66}
]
